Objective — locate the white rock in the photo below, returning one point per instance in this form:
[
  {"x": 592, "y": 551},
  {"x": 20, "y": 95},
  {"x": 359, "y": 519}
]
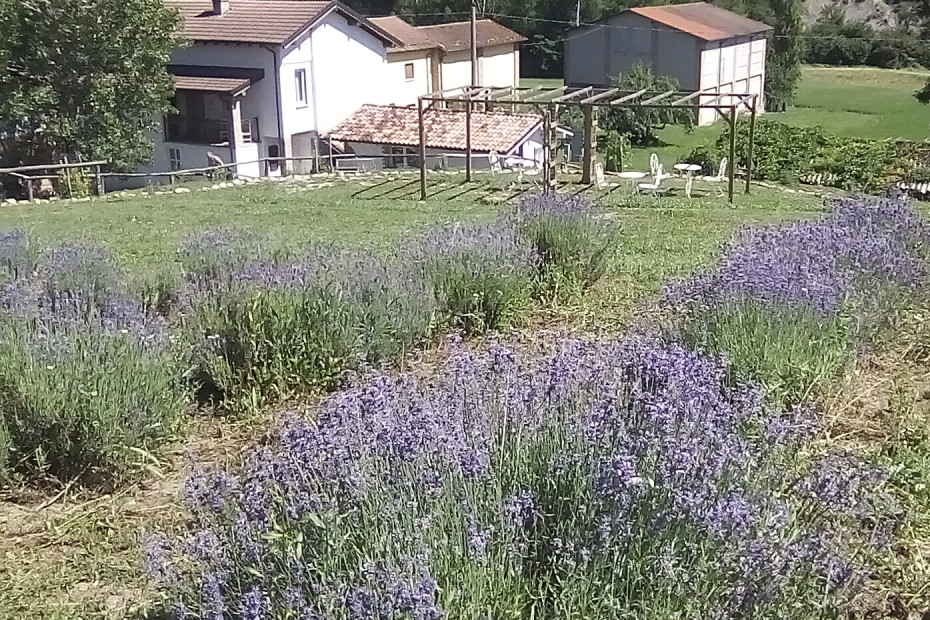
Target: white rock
[
  {"x": 11, "y": 201},
  {"x": 182, "y": 190},
  {"x": 224, "y": 185},
  {"x": 215, "y": 186},
  {"x": 238, "y": 182}
]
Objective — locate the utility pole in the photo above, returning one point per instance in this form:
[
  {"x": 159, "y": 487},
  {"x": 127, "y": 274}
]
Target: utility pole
[
  {"x": 578, "y": 14},
  {"x": 474, "y": 43}
]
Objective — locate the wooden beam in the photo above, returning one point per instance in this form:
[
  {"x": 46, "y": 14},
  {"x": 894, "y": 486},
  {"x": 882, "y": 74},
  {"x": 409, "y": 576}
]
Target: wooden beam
[
  {"x": 547, "y": 93},
  {"x": 520, "y": 92},
  {"x": 420, "y": 114},
  {"x": 604, "y": 95},
  {"x": 574, "y": 95},
  {"x": 659, "y": 97},
  {"x": 468, "y": 142},
  {"x": 688, "y": 97},
  {"x": 497, "y": 93},
  {"x": 752, "y": 138},
  {"x": 732, "y": 154},
  {"x": 626, "y": 98}
]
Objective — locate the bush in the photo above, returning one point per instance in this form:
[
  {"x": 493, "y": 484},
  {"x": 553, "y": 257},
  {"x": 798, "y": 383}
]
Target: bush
[
  {"x": 88, "y": 382},
  {"x": 784, "y": 153},
  {"x": 787, "y": 304},
  {"x": 481, "y": 275},
  {"x": 273, "y": 328},
  {"x": 575, "y": 248},
  {"x": 518, "y": 490}
]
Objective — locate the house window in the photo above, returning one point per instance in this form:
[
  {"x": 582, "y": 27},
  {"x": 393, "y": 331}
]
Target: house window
[
  {"x": 723, "y": 78},
  {"x": 174, "y": 159},
  {"x": 408, "y": 71},
  {"x": 300, "y": 82},
  {"x": 401, "y": 157}
]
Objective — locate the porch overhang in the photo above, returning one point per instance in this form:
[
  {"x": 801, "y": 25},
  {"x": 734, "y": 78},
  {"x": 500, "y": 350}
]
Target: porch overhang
[{"x": 232, "y": 81}]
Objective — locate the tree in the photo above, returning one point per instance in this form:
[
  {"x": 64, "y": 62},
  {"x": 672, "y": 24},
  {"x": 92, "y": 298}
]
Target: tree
[
  {"x": 84, "y": 78},
  {"x": 637, "y": 123}
]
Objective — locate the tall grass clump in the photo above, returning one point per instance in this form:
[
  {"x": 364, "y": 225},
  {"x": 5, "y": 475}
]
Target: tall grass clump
[
  {"x": 789, "y": 304},
  {"x": 606, "y": 480},
  {"x": 481, "y": 274},
  {"x": 266, "y": 329},
  {"x": 88, "y": 382},
  {"x": 574, "y": 246}
]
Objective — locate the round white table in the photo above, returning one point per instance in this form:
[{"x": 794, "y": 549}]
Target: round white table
[
  {"x": 687, "y": 168},
  {"x": 632, "y": 176}
]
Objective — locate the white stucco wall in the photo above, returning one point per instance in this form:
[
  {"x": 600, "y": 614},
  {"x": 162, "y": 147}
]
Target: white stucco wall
[
  {"x": 346, "y": 68},
  {"x": 497, "y": 66},
  {"x": 400, "y": 90},
  {"x": 456, "y": 70}
]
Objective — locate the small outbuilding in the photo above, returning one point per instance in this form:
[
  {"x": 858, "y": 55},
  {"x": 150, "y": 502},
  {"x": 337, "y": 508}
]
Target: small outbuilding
[
  {"x": 703, "y": 46},
  {"x": 384, "y": 136}
]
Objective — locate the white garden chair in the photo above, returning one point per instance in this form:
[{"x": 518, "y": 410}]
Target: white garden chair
[
  {"x": 721, "y": 176},
  {"x": 495, "y": 161},
  {"x": 656, "y": 186},
  {"x": 653, "y": 164}
]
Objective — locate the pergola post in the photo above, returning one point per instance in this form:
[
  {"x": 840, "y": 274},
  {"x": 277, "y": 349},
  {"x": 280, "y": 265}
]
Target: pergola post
[
  {"x": 732, "y": 153},
  {"x": 468, "y": 142},
  {"x": 590, "y": 143},
  {"x": 552, "y": 113},
  {"x": 752, "y": 138},
  {"x": 420, "y": 111}
]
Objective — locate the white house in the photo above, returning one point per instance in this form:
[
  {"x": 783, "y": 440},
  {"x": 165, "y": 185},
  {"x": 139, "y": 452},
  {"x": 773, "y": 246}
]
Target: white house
[
  {"x": 378, "y": 130},
  {"x": 434, "y": 58},
  {"x": 266, "y": 78},
  {"x": 703, "y": 46}
]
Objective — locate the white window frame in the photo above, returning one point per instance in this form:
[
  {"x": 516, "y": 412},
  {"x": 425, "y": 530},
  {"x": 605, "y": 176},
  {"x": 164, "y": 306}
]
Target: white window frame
[
  {"x": 300, "y": 86},
  {"x": 174, "y": 158},
  {"x": 413, "y": 72}
]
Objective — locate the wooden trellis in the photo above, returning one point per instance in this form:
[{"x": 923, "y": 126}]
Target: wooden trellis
[{"x": 549, "y": 102}]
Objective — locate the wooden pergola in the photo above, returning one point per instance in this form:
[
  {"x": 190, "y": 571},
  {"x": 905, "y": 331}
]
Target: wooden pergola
[{"x": 548, "y": 102}]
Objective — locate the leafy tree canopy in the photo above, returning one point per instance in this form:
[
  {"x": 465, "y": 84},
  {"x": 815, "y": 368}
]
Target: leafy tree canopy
[{"x": 83, "y": 78}]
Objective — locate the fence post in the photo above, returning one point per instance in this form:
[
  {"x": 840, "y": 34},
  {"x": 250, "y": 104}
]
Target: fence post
[
  {"x": 29, "y": 188},
  {"x": 99, "y": 181}
]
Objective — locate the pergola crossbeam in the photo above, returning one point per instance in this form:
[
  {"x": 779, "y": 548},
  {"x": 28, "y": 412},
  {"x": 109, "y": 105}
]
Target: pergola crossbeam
[
  {"x": 496, "y": 93},
  {"x": 629, "y": 97},
  {"x": 545, "y": 94},
  {"x": 599, "y": 96},
  {"x": 573, "y": 95},
  {"x": 659, "y": 97},
  {"x": 687, "y": 98}
]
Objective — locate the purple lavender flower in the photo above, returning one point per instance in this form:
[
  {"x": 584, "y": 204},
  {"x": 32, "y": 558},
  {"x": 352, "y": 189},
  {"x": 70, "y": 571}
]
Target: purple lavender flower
[{"x": 255, "y": 605}]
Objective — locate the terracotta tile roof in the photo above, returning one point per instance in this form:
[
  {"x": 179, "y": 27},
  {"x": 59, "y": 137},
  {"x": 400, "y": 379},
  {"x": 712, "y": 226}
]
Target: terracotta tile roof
[
  {"x": 451, "y": 37},
  {"x": 445, "y": 129},
  {"x": 230, "y": 86},
  {"x": 457, "y": 35},
  {"x": 702, "y": 20},
  {"x": 274, "y": 22},
  {"x": 411, "y": 37}
]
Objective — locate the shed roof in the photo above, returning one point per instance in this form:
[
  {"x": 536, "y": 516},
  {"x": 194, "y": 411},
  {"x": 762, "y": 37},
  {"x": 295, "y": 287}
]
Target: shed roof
[
  {"x": 702, "y": 20},
  {"x": 445, "y": 129},
  {"x": 451, "y": 37},
  {"x": 274, "y": 22}
]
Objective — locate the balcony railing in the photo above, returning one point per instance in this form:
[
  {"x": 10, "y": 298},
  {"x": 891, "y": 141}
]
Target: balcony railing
[{"x": 188, "y": 130}]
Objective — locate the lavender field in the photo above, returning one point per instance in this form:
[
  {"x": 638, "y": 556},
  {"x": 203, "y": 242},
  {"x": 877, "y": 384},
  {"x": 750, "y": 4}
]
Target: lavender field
[{"x": 699, "y": 465}]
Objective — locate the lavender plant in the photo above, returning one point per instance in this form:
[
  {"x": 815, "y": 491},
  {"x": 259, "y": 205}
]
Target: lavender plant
[
  {"x": 574, "y": 246},
  {"x": 272, "y": 328},
  {"x": 88, "y": 376},
  {"x": 787, "y": 304},
  {"x": 481, "y": 274},
  {"x": 613, "y": 479}
]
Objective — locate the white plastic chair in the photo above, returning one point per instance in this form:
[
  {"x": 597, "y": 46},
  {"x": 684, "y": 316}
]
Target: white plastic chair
[
  {"x": 653, "y": 164},
  {"x": 689, "y": 183},
  {"x": 495, "y": 161},
  {"x": 720, "y": 177},
  {"x": 656, "y": 186}
]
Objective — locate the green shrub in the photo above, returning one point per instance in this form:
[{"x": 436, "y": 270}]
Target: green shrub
[
  {"x": 73, "y": 183},
  {"x": 481, "y": 275},
  {"x": 81, "y": 403},
  {"x": 278, "y": 328},
  {"x": 790, "y": 352},
  {"x": 574, "y": 246}
]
